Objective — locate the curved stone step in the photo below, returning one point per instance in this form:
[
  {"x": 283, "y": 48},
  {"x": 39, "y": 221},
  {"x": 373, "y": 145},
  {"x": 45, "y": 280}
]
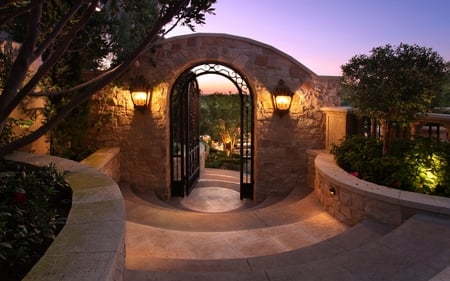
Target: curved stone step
[
  {"x": 176, "y": 219},
  {"x": 134, "y": 197},
  {"x": 350, "y": 239},
  {"x": 218, "y": 183},
  {"x": 418, "y": 250},
  {"x": 149, "y": 199},
  {"x": 213, "y": 178},
  {"x": 147, "y": 241}
]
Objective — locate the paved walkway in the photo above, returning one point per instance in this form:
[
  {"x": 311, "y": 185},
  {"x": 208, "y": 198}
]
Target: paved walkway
[
  {"x": 284, "y": 238},
  {"x": 171, "y": 230}
]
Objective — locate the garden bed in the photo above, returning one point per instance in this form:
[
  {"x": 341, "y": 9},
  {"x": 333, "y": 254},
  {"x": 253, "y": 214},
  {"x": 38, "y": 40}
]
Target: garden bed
[
  {"x": 91, "y": 246},
  {"x": 34, "y": 205}
]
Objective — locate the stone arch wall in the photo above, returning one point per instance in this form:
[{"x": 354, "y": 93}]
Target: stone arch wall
[{"x": 281, "y": 142}]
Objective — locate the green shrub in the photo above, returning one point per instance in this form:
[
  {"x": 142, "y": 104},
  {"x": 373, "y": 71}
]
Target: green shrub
[
  {"x": 360, "y": 155},
  {"x": 218, "y": 159},
  {"x": 31, "y": 200},
  {"x": 421, "y": 165},
  {"x": 425, "y": 167}
]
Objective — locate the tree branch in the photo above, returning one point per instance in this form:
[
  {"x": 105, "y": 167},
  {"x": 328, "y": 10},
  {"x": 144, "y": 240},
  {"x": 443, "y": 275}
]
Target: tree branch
[
  {"x": 87, "y": 89},
  {"x": 47, "y": 65},
  {"x": 17, "y": 12},
  {"x": 21, "y": 63},
  {"x": 59, "y": 27}
]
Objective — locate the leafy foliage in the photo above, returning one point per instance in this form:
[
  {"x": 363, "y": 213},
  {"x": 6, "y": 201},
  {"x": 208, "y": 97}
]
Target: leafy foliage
[
  {"x": 394, "y": 85},
  {"x": 76, "y": 36},
  {"x": 442, "y": 103},
  {"x": 220, "y": 118},
  {"x": 421, "y": 165},
  {"x": 31, "y": 200},
  {"x": 10, "y": 130},
  {"x": 425, "y": 167},
  {"x": 358, "y": 154},
  {"x": 220, "y": 160}
]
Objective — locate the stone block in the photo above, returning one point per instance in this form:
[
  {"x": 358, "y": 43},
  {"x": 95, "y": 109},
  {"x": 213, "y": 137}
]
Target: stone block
[{"x": 357, "y": 202}]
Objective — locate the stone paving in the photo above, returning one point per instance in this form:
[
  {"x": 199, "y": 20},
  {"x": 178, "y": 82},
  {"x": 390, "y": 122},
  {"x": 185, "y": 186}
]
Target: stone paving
[
  {"x": 289, "y": 239},
  {"x": 205, "y": 233}
]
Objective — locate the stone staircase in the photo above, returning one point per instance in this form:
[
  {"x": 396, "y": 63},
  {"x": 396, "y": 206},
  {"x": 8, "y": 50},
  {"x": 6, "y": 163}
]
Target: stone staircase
[{"x": 287, "y": 237}]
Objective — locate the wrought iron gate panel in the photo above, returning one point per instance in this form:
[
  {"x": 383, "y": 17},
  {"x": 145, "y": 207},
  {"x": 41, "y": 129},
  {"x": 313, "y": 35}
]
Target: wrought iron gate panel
[
  {"x": 246, "y": 147},
  {"x": 193, "y": 135},
  {"x": 185, "y": 149}
]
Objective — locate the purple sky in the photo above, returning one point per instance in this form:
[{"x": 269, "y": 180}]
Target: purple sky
[{"x": 325, "y": 34}]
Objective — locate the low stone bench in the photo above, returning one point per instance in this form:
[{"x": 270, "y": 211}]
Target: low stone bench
[{"x": 91, "y": 246}]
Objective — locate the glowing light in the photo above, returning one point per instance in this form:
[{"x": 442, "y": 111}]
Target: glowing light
[
  {"x": 282, "y": 97},
  {"x": 139, "y": 98},
  {"x": 429, "y": 173},
  {"x": 283, "y": 102}
]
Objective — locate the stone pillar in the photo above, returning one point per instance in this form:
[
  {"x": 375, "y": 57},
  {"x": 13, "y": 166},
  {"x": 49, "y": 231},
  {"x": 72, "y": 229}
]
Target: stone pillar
[{"x": 336, "y": 124}]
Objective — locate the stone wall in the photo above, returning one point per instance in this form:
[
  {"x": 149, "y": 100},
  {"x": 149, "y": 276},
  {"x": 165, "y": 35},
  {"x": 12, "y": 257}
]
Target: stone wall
[
  {"x": 350, "y": 199},
  {"x": 281, "y": 142}
]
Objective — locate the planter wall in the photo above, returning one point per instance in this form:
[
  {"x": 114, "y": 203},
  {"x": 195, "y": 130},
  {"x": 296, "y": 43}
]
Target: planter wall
[
  {"x": 351, "y": 200},
  {"x": 91, "y": 246}
]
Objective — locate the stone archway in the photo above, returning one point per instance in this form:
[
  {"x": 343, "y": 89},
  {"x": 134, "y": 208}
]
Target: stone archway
[{"x": 280, "y": 142}]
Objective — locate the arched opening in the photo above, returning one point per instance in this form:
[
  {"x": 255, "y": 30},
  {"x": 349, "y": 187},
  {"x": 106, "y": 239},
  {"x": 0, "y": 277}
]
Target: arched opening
[{"x": 185, "y": 133}]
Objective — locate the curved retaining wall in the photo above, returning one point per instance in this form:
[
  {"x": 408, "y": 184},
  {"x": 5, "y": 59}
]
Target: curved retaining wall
[
  {"x": 91, "y": 246},
  {"x": 350, "y": 199}
]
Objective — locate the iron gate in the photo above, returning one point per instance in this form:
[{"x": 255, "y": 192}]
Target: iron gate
[{"x": 185, "y": 157}]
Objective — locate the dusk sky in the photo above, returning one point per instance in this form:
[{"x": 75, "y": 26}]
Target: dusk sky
[{"x": 325, "y": 34}]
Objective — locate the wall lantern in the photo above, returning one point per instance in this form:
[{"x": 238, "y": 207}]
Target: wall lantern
[
  {"x": 282, "y": 97},
  {"x": 140, "y": 98},
  {"x": 140, "y": 92}
]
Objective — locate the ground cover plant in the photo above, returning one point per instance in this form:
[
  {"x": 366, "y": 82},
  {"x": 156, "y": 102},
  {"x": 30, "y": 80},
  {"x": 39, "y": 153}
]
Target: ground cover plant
[
  {"x": 420, "y": 165},
  {"x": 34, "y": 204}
]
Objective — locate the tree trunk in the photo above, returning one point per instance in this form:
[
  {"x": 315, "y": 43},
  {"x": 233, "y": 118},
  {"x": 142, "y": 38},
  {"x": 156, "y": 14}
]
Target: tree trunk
[
  {"x": 386, "y": 130},
  {"x": 373, "y": 128}
]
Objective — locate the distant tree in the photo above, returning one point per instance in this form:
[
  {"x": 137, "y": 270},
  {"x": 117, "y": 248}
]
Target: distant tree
[
  {"x": 443, "y": 101},
  {"x": 394, "y": 85},
  {"x": 97, "y": 30},
  {"x": 220, "y": 118}
]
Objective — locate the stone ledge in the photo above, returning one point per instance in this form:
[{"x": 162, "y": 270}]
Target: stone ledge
[
  {"x": 91, "y": 246},
  {"x": 355, "y": 199},
  {"x": 106, "y": 160}
]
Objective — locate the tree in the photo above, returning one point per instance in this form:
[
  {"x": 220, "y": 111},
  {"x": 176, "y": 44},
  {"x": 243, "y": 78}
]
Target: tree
[
  {"x": 443, "y": 101},
  {"x": 394, "y": 85},
  {"x": 53, "y": 30},
  {"x": 220, "y": 117}
]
